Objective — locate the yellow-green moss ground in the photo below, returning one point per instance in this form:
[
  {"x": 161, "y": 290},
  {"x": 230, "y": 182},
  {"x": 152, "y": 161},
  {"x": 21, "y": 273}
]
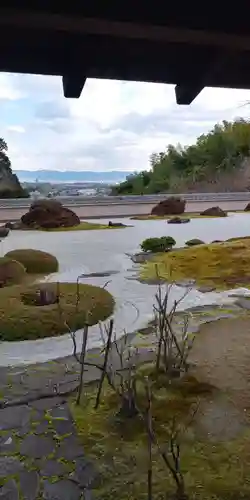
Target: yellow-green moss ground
[
  {"x": 83, "y": 226},
  {"x": 225, "y": 265},
  {"x": 186, "y": 215},
  {"x": 214, "y": 469},
  {"x": 19, "y": 321},
  {"x": 211, "y": 470}
]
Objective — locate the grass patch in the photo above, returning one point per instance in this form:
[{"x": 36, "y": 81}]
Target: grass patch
[
  {"x": 83, "y": 226},
  {"x": 119, "y": 449},
  {"x": 19, "y": 321},
  {"x": 224, "y": 265},
  {"x": 35, "y": 261}
]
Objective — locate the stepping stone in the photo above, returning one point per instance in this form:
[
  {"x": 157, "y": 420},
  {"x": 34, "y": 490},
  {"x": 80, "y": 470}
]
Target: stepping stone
[
  {"x": 13, "y": 418},
  {"x": 69, "y": 449},
  {"x": 29, "y": 484},
  {"x": 9, "y": 491},
  {"x": 42, "y": 427},
  {"x": 7, "y": 444},
  {"x": 52, "y": 468},
  {"x": 63, "y": 427},
  {"x": 46, "y": 403},
  {"x": 84, "y": 474},
  {"x": 37, "y": 446},
  {"x": 9, "y": 466},
  {"x": 61, "y": 490}
]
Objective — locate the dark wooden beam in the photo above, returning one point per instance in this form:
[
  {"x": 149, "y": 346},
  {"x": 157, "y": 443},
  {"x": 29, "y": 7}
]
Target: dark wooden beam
[
  {"x": 46, "y": 21},
  {"x": 73, "y": 85},
  {"x": 185, "y": 92}
]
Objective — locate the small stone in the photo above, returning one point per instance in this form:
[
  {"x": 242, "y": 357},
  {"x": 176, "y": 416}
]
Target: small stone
[
  {"x": 61, "y": 490},
  {"x": 37, "y": 446},
  {"x": 185, "y": 283},
  {"x": 84, "y": 473},
  {"x": 12, "y": 418},
  {"x": 9, "y": 466},
  {"x": 29, "y": 484},
  {"x": 52, "y": 468},
  {"x": 9, "y": 491},
  {"x": 206, "y": 289}
]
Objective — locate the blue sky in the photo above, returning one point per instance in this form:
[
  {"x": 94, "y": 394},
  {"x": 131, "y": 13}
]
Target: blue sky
[{"x": 113, "y": 126}]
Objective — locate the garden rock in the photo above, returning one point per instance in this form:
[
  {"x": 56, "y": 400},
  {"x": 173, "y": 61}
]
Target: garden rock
[
  {"x": 178, "y": 220},
  {"x": 171, "y": 206},
  {"x": 116, "y": 224},
  {"x": 214, "y": 212},
  {"x": 4, "y": 231},
  {"x": 49, "y": 214}
]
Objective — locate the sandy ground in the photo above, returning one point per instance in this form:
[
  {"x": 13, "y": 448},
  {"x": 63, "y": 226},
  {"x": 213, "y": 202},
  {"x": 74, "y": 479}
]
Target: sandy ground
[{"x": 221, "y": 354}]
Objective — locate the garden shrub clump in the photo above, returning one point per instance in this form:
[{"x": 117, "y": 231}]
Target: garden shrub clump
[
  {"x": 20, "y": 320},
  {"x": 193, "y": 242},
  {"x": 11, "y": 271},
  {"x": 158, "y": 244},
  {"x": 35, "y": 261}
]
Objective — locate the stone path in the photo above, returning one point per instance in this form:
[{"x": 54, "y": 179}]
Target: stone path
[{"x": 40, "y": 454}]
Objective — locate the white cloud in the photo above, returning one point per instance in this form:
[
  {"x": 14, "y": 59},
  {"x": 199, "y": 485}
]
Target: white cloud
[
  {"x": 114, "y": 125},
  {"x": 16, "y": 128}
]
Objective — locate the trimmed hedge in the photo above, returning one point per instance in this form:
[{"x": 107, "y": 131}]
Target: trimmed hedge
[
  {"x": 35, "y": 261},
  {"x": 22, "y": 321},
  {"x": 11, "y": 271}
]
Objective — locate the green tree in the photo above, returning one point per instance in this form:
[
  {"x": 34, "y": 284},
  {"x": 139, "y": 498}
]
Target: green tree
[{"x": 223, "y": 149}]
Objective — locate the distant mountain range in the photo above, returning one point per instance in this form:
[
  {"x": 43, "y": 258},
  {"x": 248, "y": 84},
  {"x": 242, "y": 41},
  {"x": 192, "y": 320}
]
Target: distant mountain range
[{"x": 71, "y": 176}]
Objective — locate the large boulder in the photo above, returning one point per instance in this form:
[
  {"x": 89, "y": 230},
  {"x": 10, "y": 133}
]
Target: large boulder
[
  {"x": 214, "y": 212},
  {"x": 171, "y": 206},
  {"x": 49, "y": 214}
]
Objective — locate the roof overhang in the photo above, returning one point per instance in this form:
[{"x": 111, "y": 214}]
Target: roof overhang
[{"x": 190, "y": 47}]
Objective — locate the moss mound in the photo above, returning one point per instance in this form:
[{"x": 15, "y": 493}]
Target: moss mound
[
  {"x": 225, "y": 265},
  {"x": 35, "y": 261},
  {"x": 22, "y": 321},
  {"x": 11, "y": 271}
]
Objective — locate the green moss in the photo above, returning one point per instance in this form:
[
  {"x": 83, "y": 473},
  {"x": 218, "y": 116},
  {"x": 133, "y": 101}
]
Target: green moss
[
  {"x": 225, "y": 265},
  {"x": 212, "y": 470},
  {"x": 19, "y": 321},
  {"x": 11, "y": 271},
  {"x": 35, "y": 261},
  {"x": 83, "y": 226},
  {"x": 187, "y": 215}
]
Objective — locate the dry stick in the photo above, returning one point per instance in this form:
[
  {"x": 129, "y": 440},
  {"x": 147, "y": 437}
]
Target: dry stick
[
  {"x": 149, "y": 427},
  {"x": 105, "y": 363},
  {"x": 82, "y": 358}
]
